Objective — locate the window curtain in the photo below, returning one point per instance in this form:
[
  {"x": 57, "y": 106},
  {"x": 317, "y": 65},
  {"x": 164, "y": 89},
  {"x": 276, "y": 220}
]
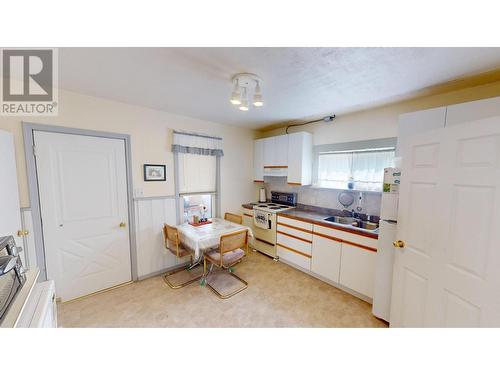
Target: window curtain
[
  {"x": 334, "y": 170},
  {"x": 197, "y": 158},
  {"x": 368, "y": 168},
  {"x": 197, "y": 173},
  {"x": 365, "y": 167}
]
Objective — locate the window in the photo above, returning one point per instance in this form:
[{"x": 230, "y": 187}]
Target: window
[
  {"x": 197, "y": 185},
  {"x": 193, "y": 204},
  {"x": 364, "y": 168}
]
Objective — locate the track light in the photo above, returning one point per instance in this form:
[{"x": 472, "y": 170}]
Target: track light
[
  {"x": 236, "y": 95},
  {"x": 244, "y": 82},
  {"x": 257, "y": 97}
]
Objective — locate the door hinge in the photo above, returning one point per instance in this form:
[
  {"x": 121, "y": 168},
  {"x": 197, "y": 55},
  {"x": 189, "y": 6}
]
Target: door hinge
[{"x": 34, "y": 150}]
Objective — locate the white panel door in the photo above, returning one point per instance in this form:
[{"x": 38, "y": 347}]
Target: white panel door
[
  {"x": 447, "y": 274},
  {"x": 10, "y": 217},
  {"x": 83, "y": 198}
]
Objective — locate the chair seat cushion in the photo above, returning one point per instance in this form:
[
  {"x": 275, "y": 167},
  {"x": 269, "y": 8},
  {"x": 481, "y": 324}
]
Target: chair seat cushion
[
  {"x": 182, "y": 251},
  {"x": 228, "y": 258}
]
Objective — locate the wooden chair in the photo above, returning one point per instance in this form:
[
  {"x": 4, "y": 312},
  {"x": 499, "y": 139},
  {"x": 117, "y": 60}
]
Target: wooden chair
[
  {"x": 233, "y": 217},
  {"x": 232, "y": 248},
  {"x": 172, "y": 243}
]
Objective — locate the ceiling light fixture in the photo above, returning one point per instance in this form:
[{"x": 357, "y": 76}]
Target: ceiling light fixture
[{"x": 242, "y": 84}]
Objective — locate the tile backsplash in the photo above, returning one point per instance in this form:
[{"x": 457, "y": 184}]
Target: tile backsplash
[{"x": 321, "y": 197}]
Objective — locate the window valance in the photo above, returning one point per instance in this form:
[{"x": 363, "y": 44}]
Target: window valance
[{"x": 199, "y": 144}]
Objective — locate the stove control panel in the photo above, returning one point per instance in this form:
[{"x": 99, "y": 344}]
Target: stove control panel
[{"x": 289, "y": 199}]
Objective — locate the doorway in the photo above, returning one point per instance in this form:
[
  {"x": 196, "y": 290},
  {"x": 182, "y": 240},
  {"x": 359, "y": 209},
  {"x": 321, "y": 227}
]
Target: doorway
[{"x": 80, "y": 189}]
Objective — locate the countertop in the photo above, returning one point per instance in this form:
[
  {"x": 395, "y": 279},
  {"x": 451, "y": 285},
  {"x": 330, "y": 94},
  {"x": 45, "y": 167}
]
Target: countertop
[
  {"x": 15, "y": 310},
  {"x": 317, "y": 216}
]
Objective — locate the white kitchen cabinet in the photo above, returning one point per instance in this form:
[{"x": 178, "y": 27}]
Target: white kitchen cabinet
[
  {"x": 281, "y": 150},
  {"x": 276, "y": 151},
  {"x": 300, "y": 158},
  {"x": 258, "y": 160},
  {"x": 269, "y": 152},
  {"x": 326, "y": 258},
  {"x": 357, "y": 269}
]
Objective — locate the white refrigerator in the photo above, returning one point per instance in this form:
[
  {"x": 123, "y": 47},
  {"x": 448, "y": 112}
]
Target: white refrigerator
[{"x": 385, "y": 250}]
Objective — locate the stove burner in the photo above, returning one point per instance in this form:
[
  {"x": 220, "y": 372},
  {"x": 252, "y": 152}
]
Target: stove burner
[{"x": 262, "y": 205}]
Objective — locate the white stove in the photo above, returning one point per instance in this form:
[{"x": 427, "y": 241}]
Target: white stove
[
  {"x": 271, "y": 207},
  {"x": 263, "y": 216}
]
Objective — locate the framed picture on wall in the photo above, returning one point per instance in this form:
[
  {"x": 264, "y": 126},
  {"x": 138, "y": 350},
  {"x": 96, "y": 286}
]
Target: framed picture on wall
[{"x": 155, "y": 172}]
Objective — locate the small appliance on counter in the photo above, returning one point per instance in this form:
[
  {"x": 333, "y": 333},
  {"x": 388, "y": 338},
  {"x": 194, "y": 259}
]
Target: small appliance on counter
[
  {"x": 12, "y": 273},
  {"x": 262, "y": 195},
  {"x": 385, "y": 252}
]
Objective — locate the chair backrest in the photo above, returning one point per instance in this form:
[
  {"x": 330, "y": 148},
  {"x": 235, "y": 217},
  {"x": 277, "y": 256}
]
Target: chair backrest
[
  {"x": 233, "y": 217},
  {"x": 171, "y": 234},
  {"x": 233, "y": 241}
]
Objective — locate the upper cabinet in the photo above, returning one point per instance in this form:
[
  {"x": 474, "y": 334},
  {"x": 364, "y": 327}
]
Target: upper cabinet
[
  {"x": 287, "y": 155},
  {"x": 281, "y": 151},
  {"x": 276, "y": 152},
  {"x": 300, "y": 158},
  {"x": 258, "y": 160}
]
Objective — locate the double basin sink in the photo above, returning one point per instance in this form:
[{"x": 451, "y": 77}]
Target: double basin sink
[{"x": 353, "y": 222}]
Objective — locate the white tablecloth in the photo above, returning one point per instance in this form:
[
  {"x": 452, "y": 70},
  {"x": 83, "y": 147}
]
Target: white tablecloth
[{"x": 207, "y": 236}]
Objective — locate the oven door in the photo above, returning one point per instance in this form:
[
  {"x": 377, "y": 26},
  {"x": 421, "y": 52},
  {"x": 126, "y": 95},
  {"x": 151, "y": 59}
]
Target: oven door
[{"x": 9, "y": 287}]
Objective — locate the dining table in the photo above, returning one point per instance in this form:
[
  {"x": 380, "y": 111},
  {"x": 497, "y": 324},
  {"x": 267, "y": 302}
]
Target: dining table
[{"x": 205, "y": 237}]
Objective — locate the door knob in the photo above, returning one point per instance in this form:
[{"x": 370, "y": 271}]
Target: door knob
[
  {"x": 398, "y": 243},
  {"x": 123, "y": 225},
  {"x": 22, "y": 233}
]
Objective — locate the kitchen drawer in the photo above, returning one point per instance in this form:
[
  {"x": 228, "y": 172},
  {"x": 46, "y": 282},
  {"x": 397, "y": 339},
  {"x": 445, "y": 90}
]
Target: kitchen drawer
[
  {"x": 357, "y": 269},
  {"x": 307, "y": 236},
  {"x": 294, "y": 243},
  {"x": 294, "y": 258},
  {"x": 354, "y": 239},
  {"x": 304, "y": 226}
]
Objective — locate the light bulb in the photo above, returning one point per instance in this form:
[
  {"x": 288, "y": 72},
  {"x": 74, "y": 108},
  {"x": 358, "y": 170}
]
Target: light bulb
[
  {"x": 257, "y": 97},
  {"x": 235, "y": 98},
  {"x": 257, "y": 100},
  {"x": 244, "y": 101},
  {"x": 236, "y": 95}
]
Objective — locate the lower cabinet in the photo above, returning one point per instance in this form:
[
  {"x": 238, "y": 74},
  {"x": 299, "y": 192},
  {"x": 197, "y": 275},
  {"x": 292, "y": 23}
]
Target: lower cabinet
[
  {"x": 357, "y": 269},
  {"x": 344, "y": 258},
  {"x": 289, "y": 255},
  {"x": 326, "y": 256}
]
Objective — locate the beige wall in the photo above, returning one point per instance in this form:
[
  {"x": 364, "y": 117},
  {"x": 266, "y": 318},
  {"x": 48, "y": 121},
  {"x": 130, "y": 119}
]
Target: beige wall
[
  {"x": 151, "y": 133},
  {"x": 382, "y": 122}
]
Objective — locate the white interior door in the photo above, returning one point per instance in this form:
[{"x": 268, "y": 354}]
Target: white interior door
[
  {"x": 83, "y": 199},
  {"x": 447, "y": 275},
  {"x": 10, "y": 217}
]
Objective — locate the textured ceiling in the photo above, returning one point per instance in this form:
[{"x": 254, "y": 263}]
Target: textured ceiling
[{"x": 297, "y": 82}]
